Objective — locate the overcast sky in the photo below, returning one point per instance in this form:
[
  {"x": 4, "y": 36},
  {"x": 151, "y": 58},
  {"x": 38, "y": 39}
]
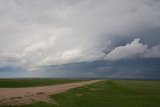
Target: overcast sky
[{"x": 39, "y": 33}]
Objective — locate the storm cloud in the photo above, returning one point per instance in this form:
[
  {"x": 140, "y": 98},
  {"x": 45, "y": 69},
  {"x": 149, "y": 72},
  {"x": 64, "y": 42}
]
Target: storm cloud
[{"x": 37, "y": 33}]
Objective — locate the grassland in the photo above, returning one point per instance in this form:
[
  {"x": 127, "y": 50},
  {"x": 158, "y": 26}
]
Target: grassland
[
  {"x": 32, "y": 82},
  {"x": 110, "y": 93}
]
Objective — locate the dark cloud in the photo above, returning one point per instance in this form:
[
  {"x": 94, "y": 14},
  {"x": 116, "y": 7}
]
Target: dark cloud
[{"x": 139, "y": 68}]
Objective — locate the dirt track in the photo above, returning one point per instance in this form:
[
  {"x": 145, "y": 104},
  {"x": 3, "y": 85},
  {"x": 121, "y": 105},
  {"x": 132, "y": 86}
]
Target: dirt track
[{"x": 19, "y": 96}]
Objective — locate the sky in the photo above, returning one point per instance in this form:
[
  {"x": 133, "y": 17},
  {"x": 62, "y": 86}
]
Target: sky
[{"x": 80, "y": 38}]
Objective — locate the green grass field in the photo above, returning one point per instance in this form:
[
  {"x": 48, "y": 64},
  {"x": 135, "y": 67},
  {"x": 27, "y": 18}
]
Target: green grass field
[
  {"x": 32, "y": 82},
  {"x": 109, "y": 93}
]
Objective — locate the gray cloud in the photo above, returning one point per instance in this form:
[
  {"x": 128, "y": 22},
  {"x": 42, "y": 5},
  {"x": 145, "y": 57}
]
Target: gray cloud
[
  {"x": 47, "y": 32},
  {"x": 154, "y": 52}
]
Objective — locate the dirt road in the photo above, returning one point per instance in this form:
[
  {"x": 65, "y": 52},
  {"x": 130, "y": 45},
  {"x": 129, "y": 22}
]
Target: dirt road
[{"x": 19, "y": 96}]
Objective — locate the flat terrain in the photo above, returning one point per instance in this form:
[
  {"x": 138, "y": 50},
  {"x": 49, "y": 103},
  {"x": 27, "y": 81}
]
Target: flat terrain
[
  {"x": 20, "y": 96},
  {"x": 109, "y": 93},
  {"x": 32, "y": 82}
]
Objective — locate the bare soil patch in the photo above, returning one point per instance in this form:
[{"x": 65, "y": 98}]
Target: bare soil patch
[{"x": 20, "y": 96}]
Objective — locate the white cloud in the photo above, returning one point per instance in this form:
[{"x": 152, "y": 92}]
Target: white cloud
[
  {"x": 47, "y": 32},
  {"x": 133, "y": 50}
]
